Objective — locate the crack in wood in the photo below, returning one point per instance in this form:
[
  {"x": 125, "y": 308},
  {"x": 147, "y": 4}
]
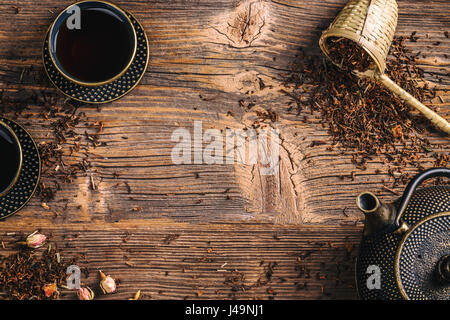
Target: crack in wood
[{"x": 244, "y": 25}]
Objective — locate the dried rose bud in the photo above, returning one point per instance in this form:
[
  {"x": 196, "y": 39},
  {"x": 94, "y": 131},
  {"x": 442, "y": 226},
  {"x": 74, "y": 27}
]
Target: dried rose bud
[
  {"x": 107, "y": 284},
  {"x": 36, "y": 240},
  {"x": 86, "y": 294},
  {"x": 50, "y": 289}
]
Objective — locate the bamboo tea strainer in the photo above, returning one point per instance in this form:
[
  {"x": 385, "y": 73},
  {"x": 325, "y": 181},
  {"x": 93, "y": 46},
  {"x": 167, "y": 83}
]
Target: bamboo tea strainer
[{"x": 371, "y": 24}]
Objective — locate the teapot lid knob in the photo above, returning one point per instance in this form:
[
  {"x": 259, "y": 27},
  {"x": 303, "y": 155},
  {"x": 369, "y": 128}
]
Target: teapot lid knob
[{"x": 443, "y": 269}]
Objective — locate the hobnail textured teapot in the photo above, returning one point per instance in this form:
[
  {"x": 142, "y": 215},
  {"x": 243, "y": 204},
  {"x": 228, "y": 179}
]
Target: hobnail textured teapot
[{"x": 405, "y": 248}]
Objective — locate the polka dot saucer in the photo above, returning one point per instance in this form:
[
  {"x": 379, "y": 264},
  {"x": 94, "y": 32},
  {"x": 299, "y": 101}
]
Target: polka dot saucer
[
  {"x": 24, "y": 188},
  {"x": 107, "y": 92}
]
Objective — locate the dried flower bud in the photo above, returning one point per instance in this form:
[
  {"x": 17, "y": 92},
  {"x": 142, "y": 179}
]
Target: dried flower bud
[
  {"x": 36, "y": 240},
  {"x": 50, "y": 289},
  {"x": 107, "y": 284},
  {"x": 86, "y": 294}
]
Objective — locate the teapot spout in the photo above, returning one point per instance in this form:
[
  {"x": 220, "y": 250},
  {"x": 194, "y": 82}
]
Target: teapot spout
[{"x": 379, "y": 216}]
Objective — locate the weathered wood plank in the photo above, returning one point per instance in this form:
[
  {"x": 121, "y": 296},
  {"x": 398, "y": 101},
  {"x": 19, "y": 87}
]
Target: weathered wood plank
[{"x": 196, "y": 263}]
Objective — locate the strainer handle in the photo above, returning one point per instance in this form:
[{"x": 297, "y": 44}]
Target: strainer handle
[{"x": 436, "y": 119}]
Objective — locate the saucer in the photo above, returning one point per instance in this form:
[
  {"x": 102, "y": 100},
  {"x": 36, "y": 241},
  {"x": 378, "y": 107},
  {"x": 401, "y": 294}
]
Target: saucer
[
  {"x": 23, "y": 190},
  {"x": 108, "y": 92}
]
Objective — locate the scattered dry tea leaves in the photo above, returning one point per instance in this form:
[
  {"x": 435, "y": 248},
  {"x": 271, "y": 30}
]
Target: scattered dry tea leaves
[
  {"x": 26, "y": 275},
  {"x": 365, "y": 119}
]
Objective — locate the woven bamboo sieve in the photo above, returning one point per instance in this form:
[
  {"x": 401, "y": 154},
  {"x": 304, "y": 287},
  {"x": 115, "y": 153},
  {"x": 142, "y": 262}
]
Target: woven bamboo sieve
[{"x": 371, "y": 24}]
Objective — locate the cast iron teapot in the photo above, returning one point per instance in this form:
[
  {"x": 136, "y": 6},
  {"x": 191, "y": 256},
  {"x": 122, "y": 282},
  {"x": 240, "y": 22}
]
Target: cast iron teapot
[{"x": 405, "y": 248}]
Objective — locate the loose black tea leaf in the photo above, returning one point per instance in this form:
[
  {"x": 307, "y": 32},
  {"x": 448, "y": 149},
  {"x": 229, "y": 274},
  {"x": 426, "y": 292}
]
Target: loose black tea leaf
[
  {"x": 24, "y": 275},
  {"x": 348, "y": 54}
]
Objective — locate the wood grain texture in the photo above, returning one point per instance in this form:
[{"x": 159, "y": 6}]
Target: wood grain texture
[
  {"x": 197, "y": 262},
  {"x": 206, "y": 56}
]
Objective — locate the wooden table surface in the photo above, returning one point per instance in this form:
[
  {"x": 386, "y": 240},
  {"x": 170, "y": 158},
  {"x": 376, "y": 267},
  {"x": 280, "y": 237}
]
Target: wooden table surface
[{"x": 178, "y": 231}]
